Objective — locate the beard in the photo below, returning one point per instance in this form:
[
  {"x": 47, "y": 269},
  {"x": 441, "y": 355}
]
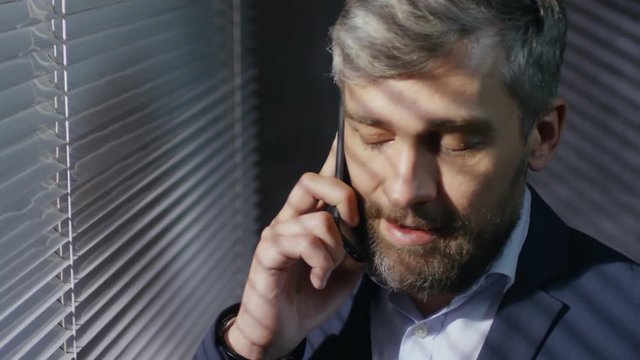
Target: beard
[{"x": 461, "y": 252}]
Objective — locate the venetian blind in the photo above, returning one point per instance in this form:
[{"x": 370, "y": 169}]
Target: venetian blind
[
  {"x": 35, "y": 284},
  {"x": 128, "y": 174}
]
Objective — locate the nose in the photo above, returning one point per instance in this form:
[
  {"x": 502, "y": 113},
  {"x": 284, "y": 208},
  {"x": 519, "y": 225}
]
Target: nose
[{"x": 413, "y": 179}]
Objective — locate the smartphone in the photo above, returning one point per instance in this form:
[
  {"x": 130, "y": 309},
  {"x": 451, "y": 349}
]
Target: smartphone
[{"x": 355, "y": 240}]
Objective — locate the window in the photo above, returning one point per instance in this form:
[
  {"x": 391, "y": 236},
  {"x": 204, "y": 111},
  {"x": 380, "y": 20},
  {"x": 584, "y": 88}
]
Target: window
[{"x": 128, "y": 174}]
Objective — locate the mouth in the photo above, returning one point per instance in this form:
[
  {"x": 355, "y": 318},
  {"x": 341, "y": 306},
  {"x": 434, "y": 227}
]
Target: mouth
[
  {"x": 406, "y": 234},
  {"x": 414, "y": 227}
]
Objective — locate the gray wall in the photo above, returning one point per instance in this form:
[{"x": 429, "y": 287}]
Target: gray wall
[{"x": 594, "y": 182}]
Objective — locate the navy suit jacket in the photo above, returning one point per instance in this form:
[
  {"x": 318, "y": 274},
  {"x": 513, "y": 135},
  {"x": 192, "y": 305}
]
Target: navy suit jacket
[{"x": 573, "y": 298}]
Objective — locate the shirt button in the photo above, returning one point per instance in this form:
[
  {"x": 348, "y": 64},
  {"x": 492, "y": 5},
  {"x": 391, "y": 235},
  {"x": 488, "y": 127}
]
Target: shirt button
[{"x": 420, "y": 331}]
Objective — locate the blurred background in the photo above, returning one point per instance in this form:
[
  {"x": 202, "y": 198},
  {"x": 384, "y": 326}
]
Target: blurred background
[{"x": 144, "y": 144}]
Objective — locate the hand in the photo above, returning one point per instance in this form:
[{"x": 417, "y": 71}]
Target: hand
[{"x": 300, "y": 273}]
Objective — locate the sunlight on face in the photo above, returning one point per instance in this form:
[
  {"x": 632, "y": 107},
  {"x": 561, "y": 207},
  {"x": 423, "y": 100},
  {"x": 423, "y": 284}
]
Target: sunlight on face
[{"x": 440, "y": 163}]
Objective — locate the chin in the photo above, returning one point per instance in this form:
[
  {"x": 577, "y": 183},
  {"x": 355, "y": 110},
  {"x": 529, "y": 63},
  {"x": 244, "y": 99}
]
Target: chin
[
  {"x": 421, "y": 270},
  {"x": 450, "y": 263}
]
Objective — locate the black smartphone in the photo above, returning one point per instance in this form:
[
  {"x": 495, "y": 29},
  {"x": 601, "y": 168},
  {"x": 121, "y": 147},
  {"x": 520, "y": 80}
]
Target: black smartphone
[{"x": 355, "y": 239}]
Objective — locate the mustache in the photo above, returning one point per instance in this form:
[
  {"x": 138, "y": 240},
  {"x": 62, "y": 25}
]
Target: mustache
[{"x": 418, "y": 218}]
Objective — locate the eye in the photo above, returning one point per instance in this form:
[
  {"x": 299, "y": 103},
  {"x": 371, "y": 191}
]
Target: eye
[
  {"x": 374, "y": 138},
  {"x": 375, "y": 143},
  {"x": 460, "y": 142}
]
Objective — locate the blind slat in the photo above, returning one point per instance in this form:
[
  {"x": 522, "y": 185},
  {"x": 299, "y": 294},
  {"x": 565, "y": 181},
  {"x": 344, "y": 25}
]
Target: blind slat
[
  {"x": 25, "y": 96},
  {"x": 13, "y": 15},
  {"x": 121, "y": 84},
  {"x": 173, "y": 157},
  {"x": 49, "y": 344},
  {"x": 60, "y": 354},
  {"x": 100, "y": 230},
  {"x": 169, "y": 233},
  {"x": 74, "y": 6},
  {"x": 119, "y": 15},
  {"x": 133, "y": 165},
  {"x": 18, "y": 319},
  {"x": 102, "y": 68},
  {"x": 22, "y": 13},
  {"x": 24, "y": 68},
  {"x": 109, "y": 40},
  {"x": 162, "y": 280},
  {"x": 179, "y": 344},
  {"x": 95, "y": 157},
  {"x": 151, "y": 320},
  {"x": 97, "y": 118},
  {"x": 24, "y": 287},
  {"x": 43, "y": 336},
  {"x": 152, "y": 257},
  {"x": 19, "y": 199},
  {"x": 127, "y": 236},
  {"x": 21, "y": 262},
  {"x": 17, "y": 229},
  {"x": 22, "y": 125},
  {"x": 28, "y": 153},
  {"x": 21, "y": 41}
]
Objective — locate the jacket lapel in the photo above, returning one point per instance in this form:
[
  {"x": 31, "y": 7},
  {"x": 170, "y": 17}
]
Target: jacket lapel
[
  {"x": 527, "y": 313},
  {"x": 354, "y": 340}
]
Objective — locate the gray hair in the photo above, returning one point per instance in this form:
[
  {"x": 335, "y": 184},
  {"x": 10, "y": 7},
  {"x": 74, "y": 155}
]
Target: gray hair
[{"x": 375, "y": 39}]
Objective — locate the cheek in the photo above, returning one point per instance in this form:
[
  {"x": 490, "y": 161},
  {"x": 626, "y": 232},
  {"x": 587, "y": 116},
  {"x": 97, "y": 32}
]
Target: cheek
[
  {"x": 365, "y": 170},
  {"x": 471, "y": 189},
  {"x": 480, "y": 189}
]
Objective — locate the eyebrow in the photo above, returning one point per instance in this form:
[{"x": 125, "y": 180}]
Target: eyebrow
[
  {"x": 474, "y": 124},
  {"x": 366, "y": 120},
  {"x": 477, "y": 125}
]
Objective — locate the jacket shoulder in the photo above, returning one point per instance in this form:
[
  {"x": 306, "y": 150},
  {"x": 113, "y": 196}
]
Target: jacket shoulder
[
  {"x": 585, "y": 252},
  {"x": 601, "y": 292}
]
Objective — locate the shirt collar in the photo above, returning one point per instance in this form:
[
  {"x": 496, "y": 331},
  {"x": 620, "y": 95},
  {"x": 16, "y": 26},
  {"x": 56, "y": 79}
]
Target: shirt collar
[{"x": 507, "y": 261}]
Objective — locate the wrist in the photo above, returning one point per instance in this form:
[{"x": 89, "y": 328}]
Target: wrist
[
  {"x": 223, "y": 339},
  {"x": 234, "y": 346},
  {"x": 237, "y": 343}
]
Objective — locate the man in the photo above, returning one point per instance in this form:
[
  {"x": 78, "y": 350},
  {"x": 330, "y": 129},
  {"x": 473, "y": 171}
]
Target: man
[{"x": 446, "y": 106}]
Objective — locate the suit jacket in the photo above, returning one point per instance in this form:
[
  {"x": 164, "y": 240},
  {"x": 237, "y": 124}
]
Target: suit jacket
[{"x": 573, "y": 298}]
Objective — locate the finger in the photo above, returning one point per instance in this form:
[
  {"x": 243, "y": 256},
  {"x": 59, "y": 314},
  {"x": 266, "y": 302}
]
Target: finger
[
  {"x": 329, "y": 166},
  {"x": 349, "y": 265},
  {"x": 278, "y": 253},
  {"x": 312, "y": 189},
  {"x": 319, "y": 224}
]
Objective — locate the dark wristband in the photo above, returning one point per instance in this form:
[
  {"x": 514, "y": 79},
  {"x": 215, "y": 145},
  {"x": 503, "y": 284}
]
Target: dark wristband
[{"x": 223, "y": 323}]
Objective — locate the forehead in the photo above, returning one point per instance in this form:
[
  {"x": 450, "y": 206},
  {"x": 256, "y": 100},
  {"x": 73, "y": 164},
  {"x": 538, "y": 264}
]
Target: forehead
[{"x": 467, "y": 84}]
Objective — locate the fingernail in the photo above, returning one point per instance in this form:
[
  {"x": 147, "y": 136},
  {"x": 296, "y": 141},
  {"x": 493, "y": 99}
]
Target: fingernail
[
  {"x": 325, "y": 280},
  {"x": 319, "y": 283}
]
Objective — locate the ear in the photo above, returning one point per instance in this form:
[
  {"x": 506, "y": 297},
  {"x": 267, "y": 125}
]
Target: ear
[{"x": 544, "y": 137}]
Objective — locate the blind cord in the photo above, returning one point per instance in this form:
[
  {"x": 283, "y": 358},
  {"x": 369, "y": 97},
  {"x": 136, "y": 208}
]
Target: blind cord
[{"x": 62, "y": 84}]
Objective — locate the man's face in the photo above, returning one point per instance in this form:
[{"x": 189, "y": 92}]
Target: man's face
[{"x": 440, "y": 163}]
